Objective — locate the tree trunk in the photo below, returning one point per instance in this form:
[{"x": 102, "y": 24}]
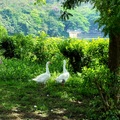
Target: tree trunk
[
  {"x": 114, "y": 52},
  {"x": 114, "y": 65}
]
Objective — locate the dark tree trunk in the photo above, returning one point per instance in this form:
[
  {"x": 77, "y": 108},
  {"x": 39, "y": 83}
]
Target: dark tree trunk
[
  {"x": 114, "y": 52},
  {"x": 114, "y": 65}
]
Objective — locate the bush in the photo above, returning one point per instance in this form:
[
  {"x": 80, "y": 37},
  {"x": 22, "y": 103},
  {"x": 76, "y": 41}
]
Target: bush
[
  {"x": 7, "y": 44},
  {"x": 84, "y": 53},
  {"x": 98, "y": 50},
  {"x": 17, "y": 46},
  {"x": 73, "y": 50},
  {"x": 3, "y": 32},
  {"x": 97, "y": 83},
  {"x": 47, "y": 50},
  {"x": 42, "y": 48}
]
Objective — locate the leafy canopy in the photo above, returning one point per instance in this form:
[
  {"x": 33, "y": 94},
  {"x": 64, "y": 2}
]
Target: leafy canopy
[{"x": 109, "y": 12}]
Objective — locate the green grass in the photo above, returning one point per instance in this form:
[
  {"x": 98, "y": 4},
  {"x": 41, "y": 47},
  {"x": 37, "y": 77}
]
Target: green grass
[
  {"x": 29, "y": 100},
  {"x": 22, "y": 98}
]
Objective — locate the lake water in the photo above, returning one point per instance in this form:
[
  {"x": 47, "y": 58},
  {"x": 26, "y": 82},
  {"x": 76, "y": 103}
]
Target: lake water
[{"x": 91, "y": 36}]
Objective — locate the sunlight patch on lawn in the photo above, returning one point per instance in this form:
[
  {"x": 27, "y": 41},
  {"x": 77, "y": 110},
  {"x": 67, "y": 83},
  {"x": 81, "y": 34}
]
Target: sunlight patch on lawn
[
  {"x": 41, "y": 113},
  {"x": 59, "y": 110}
]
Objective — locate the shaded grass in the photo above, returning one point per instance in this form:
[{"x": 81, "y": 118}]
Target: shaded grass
[
  {"x": 19, "y": 70},
  {"x": 29, "y": 100},
  {"x": 21, "y": 98}
]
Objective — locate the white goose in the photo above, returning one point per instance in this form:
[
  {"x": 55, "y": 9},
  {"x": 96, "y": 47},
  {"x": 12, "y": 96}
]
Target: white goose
[
  {"x": 43, "y": 77},
  {"x": 62, "y": 78}
]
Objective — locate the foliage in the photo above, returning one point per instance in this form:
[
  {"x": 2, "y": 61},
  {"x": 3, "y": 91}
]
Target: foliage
[
  {"x": 8, "y": 47},
  {"x": 3, "y": 32},
  {"x": 43, "y": 48},
  {"x": 109, "y": 20},
  {"x": 18, "y": 70},
  {"x": 79, "y": 95},
  {"x": 79, "y": 21},
  {"x": 46, "y": 49},
  {"x": 17, "y": 46},
  {"x": 92, "y": 80},
  {"x": 53, "y": 52},
  {"x": 107, "y": 9},
  {"x": 84, "y": 53},
  {"x": 30, "y": 19},
  {"x": 40, "y": 48},
  {"x": 73, "y": 50},
  {"x": 99, "y": 77},
  {"x": 98, "y": 49}
]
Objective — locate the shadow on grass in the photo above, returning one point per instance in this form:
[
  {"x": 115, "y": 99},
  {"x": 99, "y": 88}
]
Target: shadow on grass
[{"x": 28, "y": 100}]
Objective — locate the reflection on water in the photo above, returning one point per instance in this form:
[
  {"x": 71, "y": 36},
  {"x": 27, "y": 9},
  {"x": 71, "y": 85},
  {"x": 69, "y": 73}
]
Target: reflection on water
[{"x": 91, "y": 35}]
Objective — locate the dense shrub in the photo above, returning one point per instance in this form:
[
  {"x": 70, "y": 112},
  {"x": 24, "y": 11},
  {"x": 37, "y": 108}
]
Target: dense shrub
[
  {"x": 43, "y": 48},
  {"x": 39, "y": 52},
  {"x": 17, "y": 46},
  {"x": 7, "y": 44},
  {"x": 53, "y": 53},
  {"x": 23, "y": 46},
  {"x": 3, "y": 32},
  {"x": 84, "y": 53},
  {"x": 46, "y": 49},
  {"x": 98, "y": 50},
  {"x": 73, "y": 49},
  {"x": 97, "y": 83}
]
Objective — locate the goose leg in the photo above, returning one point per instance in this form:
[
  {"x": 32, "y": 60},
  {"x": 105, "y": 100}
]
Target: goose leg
[{"x": 63, "y": 82}]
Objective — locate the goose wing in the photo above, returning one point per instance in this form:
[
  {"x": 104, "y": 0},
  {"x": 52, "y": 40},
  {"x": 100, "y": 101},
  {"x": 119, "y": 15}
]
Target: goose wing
[
  {"x": 63, "y": 76},
  {"x": 42, "y": 78}
]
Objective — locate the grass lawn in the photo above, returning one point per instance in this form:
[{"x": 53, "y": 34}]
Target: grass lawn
[{"x": 29, "y": 100}]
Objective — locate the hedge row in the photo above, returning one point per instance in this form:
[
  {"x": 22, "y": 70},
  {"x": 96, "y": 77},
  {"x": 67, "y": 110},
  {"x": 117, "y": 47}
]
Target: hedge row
[{"x": 79, "y": 53}]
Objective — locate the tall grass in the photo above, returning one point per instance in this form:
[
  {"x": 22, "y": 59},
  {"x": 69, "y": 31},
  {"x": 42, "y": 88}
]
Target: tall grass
[{"x": 18, "y": 70}]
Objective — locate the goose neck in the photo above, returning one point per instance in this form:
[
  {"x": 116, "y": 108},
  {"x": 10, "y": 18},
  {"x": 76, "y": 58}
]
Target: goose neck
[
  {"x": 47, "y": 69},
  {"x": 64, "y": 68}
]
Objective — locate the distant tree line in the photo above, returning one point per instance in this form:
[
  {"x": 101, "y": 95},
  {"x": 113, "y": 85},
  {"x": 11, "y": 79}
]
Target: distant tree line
[{"x": 27, "y": 18}]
